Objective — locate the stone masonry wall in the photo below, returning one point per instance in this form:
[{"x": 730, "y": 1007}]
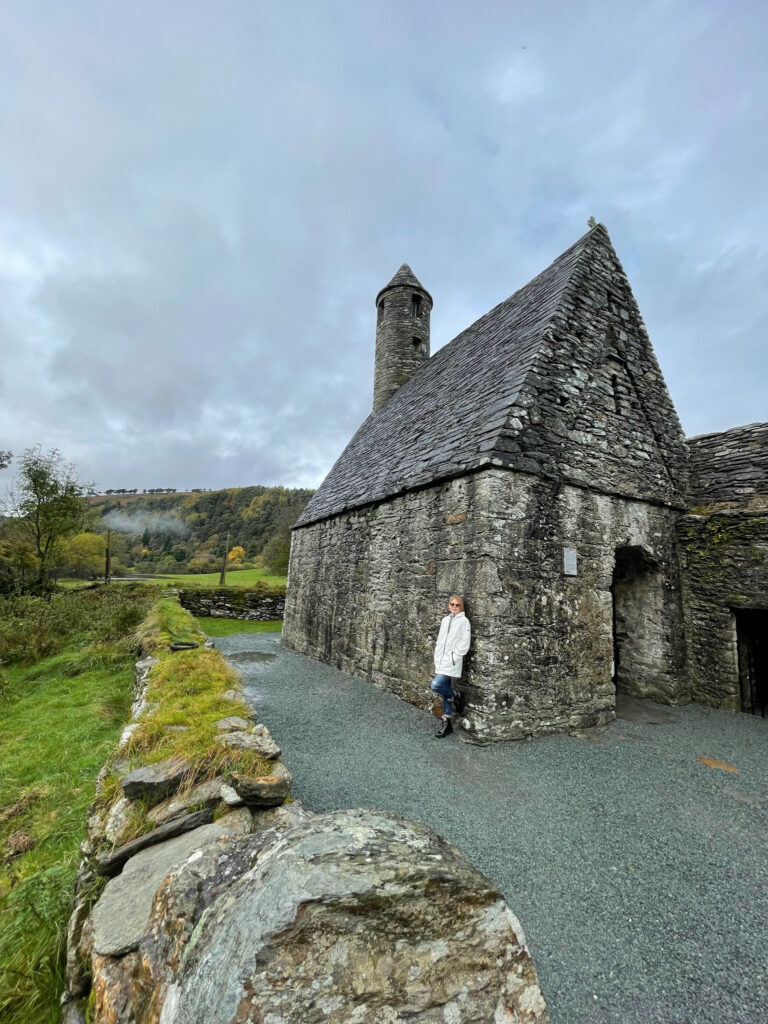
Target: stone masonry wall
[
  {"x": 725, "y": 558},
  {"x": 731, "y": 467},
  {"x": 594, "y": 408},
  {"x": 232, "y": 603},
  {"x": 367, "y": 589}
]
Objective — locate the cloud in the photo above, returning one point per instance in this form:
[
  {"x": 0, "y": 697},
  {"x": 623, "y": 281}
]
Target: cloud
[{"x": 201, "y": 203}]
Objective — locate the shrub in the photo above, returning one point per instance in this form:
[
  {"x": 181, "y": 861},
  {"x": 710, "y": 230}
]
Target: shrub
[{"x": 32, "y": 628}]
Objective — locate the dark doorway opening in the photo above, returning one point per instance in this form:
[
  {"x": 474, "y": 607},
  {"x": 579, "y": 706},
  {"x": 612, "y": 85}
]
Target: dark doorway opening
[
  {"x": 752, "y": 637},
  {"x": 637, "y": 617}
]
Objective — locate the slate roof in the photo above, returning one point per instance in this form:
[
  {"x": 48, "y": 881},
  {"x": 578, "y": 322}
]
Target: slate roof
[
  {"x": 453, "y": 415},
  {"x": 731, "y": 465}
]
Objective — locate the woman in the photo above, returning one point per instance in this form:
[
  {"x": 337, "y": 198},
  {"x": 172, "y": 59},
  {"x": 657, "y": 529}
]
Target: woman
[{"x": 452, "y": 644}]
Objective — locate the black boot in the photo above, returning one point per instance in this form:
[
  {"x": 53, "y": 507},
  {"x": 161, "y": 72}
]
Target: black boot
[{"x": 445, "y": 728}]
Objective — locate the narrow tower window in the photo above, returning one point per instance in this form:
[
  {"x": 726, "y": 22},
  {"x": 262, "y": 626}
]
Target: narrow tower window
[
  {"x": 614, "y": 386},
  {"x": 416, "y": 304}
]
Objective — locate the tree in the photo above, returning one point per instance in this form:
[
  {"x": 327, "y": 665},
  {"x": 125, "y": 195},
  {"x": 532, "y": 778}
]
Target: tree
[
  {"x": 83, "y": 554},
  {"x": 46, "y": 505},
  {"x": 5, "y": 459},
  {"x": 277, "y": 552},
  {"x": 236, "y": 555}
]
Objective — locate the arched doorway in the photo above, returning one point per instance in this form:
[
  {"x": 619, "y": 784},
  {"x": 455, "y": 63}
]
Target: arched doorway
[{"x": 638, "y": 627}]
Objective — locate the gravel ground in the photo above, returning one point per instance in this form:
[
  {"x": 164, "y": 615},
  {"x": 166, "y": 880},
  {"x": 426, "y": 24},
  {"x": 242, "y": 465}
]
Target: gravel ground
[{"x": 639, "y": 874}]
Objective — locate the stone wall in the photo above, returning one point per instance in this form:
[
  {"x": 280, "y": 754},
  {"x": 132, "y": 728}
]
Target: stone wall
[
  {"x": 731, "y": 467},
  {"x": 594, "y": 407},
  {"x": 371, "y": 585},
  {"x": 725, "y": 558},
  {"x": 233, "y": 603}
]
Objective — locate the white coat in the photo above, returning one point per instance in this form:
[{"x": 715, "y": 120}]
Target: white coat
[{"x": 453, "y": 642}]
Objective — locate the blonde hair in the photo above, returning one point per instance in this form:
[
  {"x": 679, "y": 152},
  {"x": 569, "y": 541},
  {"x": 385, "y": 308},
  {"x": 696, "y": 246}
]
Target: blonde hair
[{"x": 459, "y": 598}]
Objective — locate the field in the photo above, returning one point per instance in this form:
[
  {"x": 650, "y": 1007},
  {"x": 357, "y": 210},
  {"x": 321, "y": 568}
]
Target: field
[
  {"x": 238, "y": 578},
  {"x": 66, "y": 686}
]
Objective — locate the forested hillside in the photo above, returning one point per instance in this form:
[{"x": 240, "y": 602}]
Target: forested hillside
[{"x": 187, "y": 532}]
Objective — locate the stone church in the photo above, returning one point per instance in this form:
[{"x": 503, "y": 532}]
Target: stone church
[{"x": 536, "y": 465}]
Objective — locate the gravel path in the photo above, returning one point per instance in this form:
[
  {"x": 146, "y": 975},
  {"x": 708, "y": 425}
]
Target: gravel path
[{"x": 640, "y": 875}]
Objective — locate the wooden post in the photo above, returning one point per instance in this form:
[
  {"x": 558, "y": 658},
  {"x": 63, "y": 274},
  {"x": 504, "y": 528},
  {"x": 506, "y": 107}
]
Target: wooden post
[
  {"x": 107, "y": 561},
  {"x": 223, "y": 577}
]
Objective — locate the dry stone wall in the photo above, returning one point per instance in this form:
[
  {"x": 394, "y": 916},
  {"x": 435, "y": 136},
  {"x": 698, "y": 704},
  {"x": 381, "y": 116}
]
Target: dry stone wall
[
  {"x": 241, "y": 908},
  {"x": 373, "y": 585},
  {"x": 233, "y": 603}
]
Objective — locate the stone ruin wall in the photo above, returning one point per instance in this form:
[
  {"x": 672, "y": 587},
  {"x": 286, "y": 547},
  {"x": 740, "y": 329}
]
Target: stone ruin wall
[
  {"x": 725, "y": 560},
  {"x": 724, "y": 551},
  {"x": 233, "y": 603},
  {"x": 371, "y": 586}
]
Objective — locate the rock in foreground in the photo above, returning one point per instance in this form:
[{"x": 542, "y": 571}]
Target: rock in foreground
[{"x": 357, "y": 917}]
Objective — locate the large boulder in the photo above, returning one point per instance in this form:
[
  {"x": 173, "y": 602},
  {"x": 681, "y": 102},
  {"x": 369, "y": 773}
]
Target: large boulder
[
  {"x": 357, "y": 917},
  {"x": 145, "y": 918},
  {"x": 120, "y": 916}
]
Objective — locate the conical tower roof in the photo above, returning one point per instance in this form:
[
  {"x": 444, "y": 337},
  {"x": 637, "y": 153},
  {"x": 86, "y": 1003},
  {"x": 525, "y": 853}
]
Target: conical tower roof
[{"x": 404, "y": 278}]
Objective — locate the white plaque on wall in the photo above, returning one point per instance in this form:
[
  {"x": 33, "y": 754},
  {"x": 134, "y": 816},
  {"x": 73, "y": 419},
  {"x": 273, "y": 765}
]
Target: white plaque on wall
[{"x": 569, "y": 562}]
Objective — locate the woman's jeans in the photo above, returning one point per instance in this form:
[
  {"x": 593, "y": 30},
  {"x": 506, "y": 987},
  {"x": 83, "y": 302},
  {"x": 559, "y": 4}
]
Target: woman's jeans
[{"x": 443, "y": 685}]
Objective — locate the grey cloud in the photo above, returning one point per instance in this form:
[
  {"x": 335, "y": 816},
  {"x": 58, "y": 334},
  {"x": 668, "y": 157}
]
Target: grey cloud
[{"x": 203, "y": 200}]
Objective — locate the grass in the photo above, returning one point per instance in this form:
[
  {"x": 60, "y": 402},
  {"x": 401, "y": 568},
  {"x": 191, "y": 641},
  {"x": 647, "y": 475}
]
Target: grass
[
  {"x": 166, "y": 623},
  {"x": 216, "y": 626},
  {"x": 60, "y": 718},
  {"x": 248, "y": 578},
  {"x": 187, "y": 688},
  {"x": 33, "y": 628},
  {"x": 56, "y": 730}
]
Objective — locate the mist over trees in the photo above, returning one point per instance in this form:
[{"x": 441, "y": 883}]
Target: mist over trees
[
  {"x": 54, "y": 525},
  {"x": 178, "y": 532}
]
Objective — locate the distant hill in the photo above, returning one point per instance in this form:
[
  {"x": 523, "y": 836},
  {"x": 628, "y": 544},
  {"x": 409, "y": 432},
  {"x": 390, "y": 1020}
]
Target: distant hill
[{"x": 186, "y": 531}]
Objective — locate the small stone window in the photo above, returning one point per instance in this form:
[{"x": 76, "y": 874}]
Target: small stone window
[
  {"x": 416, "y": 344},
  {"x": 615, "y": 388},
  {"x": 416, "y": 305},
  {"x": 381, "y": 309}
]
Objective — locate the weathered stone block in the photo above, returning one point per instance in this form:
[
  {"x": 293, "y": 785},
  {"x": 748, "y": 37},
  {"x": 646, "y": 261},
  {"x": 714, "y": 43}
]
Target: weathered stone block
[
  {"x": 267, "y": 791},
  {"x": 111, "y": 863},
  {"x": 154, "y": 782}
]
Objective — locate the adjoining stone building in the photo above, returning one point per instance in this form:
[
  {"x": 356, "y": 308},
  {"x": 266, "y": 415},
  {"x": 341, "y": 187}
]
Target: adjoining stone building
[
  {"x": 724, "y": 551},
  {"x": 537, "y": 466}
]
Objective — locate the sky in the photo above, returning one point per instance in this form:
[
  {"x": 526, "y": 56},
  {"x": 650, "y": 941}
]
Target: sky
[{"x": 200, "y": 200}]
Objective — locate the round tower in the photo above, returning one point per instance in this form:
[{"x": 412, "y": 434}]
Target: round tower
[{"x": 402, "y": 333}]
